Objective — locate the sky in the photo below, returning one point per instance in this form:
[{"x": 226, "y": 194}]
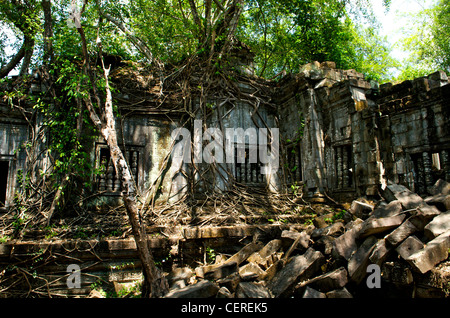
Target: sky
[{"x": 396, "y": 18}]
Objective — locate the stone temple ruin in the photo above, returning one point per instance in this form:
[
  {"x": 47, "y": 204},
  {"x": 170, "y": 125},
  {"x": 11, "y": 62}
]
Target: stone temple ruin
[
  {"x": 340, "y": 138},
  {"x": 339, "y": 135}
]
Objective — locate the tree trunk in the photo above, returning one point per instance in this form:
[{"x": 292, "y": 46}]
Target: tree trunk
[
  {"x": 155, "y": 284},
  {"x": 4, "y": 71}
]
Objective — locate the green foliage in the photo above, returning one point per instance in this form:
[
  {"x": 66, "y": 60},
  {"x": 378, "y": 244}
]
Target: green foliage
[
  {"x": 426, "y": 37},
  {"x": 288, "y": 34}
]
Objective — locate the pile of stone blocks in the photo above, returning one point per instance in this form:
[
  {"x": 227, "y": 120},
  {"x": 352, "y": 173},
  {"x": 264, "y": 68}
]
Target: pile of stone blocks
[{"x": 404, "y": 239}]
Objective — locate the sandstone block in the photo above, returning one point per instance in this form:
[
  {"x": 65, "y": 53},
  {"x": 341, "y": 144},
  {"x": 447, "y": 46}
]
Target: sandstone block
[
  {"x": 409, "y": 246},
  {"x": 401, "y": 233},
  {"x": 312, "y": 293},
  {"x": 379, "y": 225},
  {"x": 339, "y": 293},
  {"x": 380, "y": 252},
  {"x": 202, "y": 289},
  {"x": 406, "y": 197},
  {"x": 299, "y": 267},
  {"x": 386, "y": 210},
  {"x": 433, "y": 253},
  {"x": 360, "y": 209},
  {"x": 359, "y": 261},
  {"x": 345, "y": 245},
  {"x": 329, "y": 281},
  {"x": 441, "y": 187},
  {"x": 438, "y": 225},
  {"x": 251, "y": 290},
  {"x": 441, "y": 201}
]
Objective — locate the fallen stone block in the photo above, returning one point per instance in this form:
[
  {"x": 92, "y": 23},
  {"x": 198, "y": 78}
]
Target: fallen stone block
[
  {"x": 251, "y": 290},
  {"x": 261, "y": 256},
  {"x": 339, "y": 293},
  {"x": 433, "y": 253},
  {"x": 441, "y": 187},
  {"x": 302, "y": 237},
  {"x": 345, "y": 245},
  {"x": 230, "y": 264},
  {"x": 374, "y": 226},
  {"x": 401, "y": 233},
  {"x": 380, "y": 252},
  {"x": 442, "y": 202},
  {"x": 361, "y": 209},
  {"x": 312, "y": 293},
  {"x": 386, "y": 210},
  {"x": 423, "y": 215},
  {"x": 224, "y": 293},
  {"x": 438, "y": 225},
  {"x": 251, "y": 269},
  {"x": 230, "y": 282},
  {"x": 221, "y": 271},
  {"x": 406, "y": 197},
  {"x": 299, "y": 267},
  {"x": 245, "y": 252},
  {"x": 202, "y": 289},
  {"x": 180, "y": 274},
  {"x": 334, "y": 229},
  {"x": 325, "y": 244},
  {"x": 329, "y": 281},
  {"x": 359, "y": 261},
  {"x": 409, "y": 247}
]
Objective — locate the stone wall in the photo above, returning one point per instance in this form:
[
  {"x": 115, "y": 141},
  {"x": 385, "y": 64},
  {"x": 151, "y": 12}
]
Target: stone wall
[
  {"x": 340, "y": 135},
  {"x": 355, "y": 136}
]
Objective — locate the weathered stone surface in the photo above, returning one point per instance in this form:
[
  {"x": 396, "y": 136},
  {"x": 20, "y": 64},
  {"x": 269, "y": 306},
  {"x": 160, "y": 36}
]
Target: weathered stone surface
[
  {"x": 251, "y": 269},
  {"x": 423, "y": 215},
  {"x": 401, "y": 233},
  {"x": 345, "y": 245},
  {"x": 406, "y": 197},
  {"x": 261, "y": 256},
  {"x": 438, "y": 225},
  {"x": 251, "y": 290},
  {"x": 380, "y": 252},
  {"x": 299, "y": 267},
  {"x": 224, "y": 293},
  {"x": 360, "y": 209},
  {"x": 180, "y": 273},
  {"x": 333, "y": 229},
  {"x": 379, "y": 225},
  {"x": 442, "y": 201},
  {"x": 302, "y": 237},
  {"x": 409, "y": 246},
  {"x": 441, "y": 187},
  {"x": 329, "y": 281},
  {"x": 339, "y": 293},
  {"x": 433, "y": 253},
  {"x": 359, "y": 261},
  {"x": 312, "y": 293},
  {"x": 221, "y": 271},
  {"x": 386, "y": 210},
  {"x": 202, "y": 289}
]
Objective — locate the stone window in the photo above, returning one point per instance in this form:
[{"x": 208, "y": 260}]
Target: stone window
[
  {"x": 247, "y": 172},
  {"x": 428, "y": 168},
  {"x": 107, "y": 179},
  {"x": 294, "y": 161},
  {"x": 344, "y": 167}
]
